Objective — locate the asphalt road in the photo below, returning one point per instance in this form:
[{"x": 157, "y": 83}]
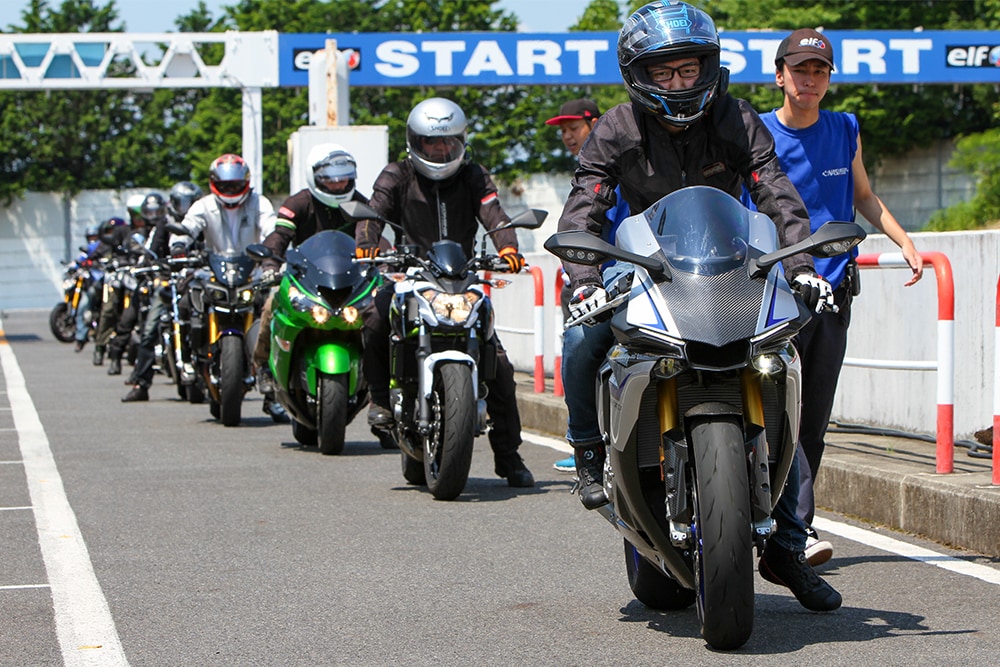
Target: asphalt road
[{"x": 178, "y": 541}]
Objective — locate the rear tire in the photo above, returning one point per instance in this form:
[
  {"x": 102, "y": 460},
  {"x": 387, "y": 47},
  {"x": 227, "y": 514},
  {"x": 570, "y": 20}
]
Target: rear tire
[
  {"x": 303, "y": 435},
  {"x": 62, "y": 323},
  {"x": 723, "y": 554},
  {"x": 331, "y": 415},
  {"x": 194, "y": 393},
  {"x": 652, "y": 587},
  {"x": 413, "y": 470},
  {"x": 231, "y": 386},
  {"x": 448, "y": 447}
]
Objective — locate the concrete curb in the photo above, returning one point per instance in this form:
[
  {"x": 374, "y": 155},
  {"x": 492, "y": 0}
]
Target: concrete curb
[{"x": 884, "y": 480}]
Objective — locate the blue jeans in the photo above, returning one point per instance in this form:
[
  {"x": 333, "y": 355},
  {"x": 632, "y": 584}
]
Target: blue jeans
[
  {"x": 81, "y": 323},
  {"x": 583, "y": 353}
]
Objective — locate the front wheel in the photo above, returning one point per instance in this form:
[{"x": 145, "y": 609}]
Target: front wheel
[
  {"x": 723, "y": 554},
  {"x": 303, "y": 435},
  {"x": 231, "y": 385},
  {"x": 62, "y": 323},
  {"x": 331, "y": 416},
  {"x": 448, "y": 446},
  {"x": 651, "y": 586}
]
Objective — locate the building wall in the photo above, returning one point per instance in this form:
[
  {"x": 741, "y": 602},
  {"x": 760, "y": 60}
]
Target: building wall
[{"x": 889, "y": 322}]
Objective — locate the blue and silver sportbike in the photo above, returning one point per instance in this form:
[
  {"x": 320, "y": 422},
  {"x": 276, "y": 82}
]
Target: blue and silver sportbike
[{"x": 698, "y": 398}]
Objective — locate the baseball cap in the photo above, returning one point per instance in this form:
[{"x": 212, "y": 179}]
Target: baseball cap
[
  {"x": 575, "y": 110},
  {"x": 802, "y": 45}
]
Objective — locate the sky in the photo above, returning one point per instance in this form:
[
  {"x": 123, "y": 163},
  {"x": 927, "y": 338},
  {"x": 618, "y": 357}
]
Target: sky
[{"x": 157, "y": 16}]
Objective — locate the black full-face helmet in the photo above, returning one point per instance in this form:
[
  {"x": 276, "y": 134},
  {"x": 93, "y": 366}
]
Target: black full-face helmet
[
  {"x": 182, "y": 195},
  {"x": 154, "y": 208},
  {"x": 665, "y": 31}
]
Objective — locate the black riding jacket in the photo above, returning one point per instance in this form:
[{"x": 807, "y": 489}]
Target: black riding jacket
[
  {"x": 728, "y": 148},
  {"x": 431, "y": 210}
]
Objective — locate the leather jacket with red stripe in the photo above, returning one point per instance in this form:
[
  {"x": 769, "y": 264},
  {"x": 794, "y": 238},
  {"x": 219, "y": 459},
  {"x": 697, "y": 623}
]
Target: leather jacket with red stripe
[{"x": 430, "y": 210}]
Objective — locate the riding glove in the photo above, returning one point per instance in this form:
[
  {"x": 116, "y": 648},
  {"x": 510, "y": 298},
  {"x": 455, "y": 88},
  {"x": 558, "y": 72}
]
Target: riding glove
[
  {"x": 815, "y": 292},
  {"x": 587, "y": 298},
  {"x": 514, "y": 259}
]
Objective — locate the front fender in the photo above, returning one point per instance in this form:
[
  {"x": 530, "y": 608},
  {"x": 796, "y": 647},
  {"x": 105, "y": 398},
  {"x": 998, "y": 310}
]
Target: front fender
[
  {"x": 332, "y": 359},
  {"x": 432, "y": 360}
]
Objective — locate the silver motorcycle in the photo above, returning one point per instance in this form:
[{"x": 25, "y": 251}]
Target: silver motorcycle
[{"x": 698, "y": 399}]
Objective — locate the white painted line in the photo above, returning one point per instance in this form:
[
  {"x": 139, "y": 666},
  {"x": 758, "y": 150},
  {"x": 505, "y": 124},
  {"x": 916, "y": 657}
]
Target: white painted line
[
  {"x": 10, "y": 463},
  {"x": 86, "y": 631},
  {"x": 9, "y": 509},
  {"x": 545, "y": 441},
  {"x": 17, "y": 587},
  {"x": 900, "y": 548}
]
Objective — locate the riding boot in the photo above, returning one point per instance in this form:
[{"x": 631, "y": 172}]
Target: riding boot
[
  {"x": 115, "y": 364},
  {"x": 98, "y": 355},
  {"x": 590, "y": 471}
]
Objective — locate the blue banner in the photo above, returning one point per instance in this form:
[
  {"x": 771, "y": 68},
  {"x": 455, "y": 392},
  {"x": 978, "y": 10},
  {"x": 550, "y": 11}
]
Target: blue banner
[{"x": 589, "y": 58}]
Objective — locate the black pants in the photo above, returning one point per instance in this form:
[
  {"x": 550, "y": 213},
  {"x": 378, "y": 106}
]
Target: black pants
[
  {"x": 501, "y": 398},
  {"x": 822, "y": 345}
]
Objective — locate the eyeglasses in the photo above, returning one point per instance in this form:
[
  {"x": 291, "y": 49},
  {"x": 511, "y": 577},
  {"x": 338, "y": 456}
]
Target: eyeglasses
[{"x": 662, "y": 73}]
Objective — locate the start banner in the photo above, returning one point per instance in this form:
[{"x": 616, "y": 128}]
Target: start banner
[{"x": 590, "y": 58}]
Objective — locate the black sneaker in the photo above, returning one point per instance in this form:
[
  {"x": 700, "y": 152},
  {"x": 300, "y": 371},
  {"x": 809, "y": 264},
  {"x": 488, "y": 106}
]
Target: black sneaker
[
  {"x": 115, "y": 367},
  {"x": 379, "y": 417},
  {"x": 791, "y": 570},
  {"x": 590, "y": 476},
  {"x": 512, "y": 468},
  {"x": 138, "y": 393},
  {"x": 98, "y": 359}
]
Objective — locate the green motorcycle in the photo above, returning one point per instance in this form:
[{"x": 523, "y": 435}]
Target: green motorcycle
[{"x": 316, "y": 344}]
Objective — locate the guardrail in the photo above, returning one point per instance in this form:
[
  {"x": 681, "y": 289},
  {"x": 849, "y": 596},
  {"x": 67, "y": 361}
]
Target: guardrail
[
  {"x": 945, "y": 363},
  {"x": 539, "y": 326},
  {"x": 996, "y": 391}
]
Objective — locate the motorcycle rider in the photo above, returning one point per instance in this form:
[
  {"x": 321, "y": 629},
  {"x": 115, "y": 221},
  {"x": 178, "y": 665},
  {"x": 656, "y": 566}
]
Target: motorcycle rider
[
  {"x": 228, "y": 220},
  {"x": 116, "y": 235},
  {"x": 680, "y": 128},
  {"x": 154, "y": 212},
  {"x": 88, "y": 254},
  {"x": 180, "y": 198},
  {"x": 331, "y": 173},
  {"x": 435, "y": 194}
]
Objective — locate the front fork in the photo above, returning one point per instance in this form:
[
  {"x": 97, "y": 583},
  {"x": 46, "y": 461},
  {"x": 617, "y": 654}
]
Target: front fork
[{"x": 674, "y": 458}]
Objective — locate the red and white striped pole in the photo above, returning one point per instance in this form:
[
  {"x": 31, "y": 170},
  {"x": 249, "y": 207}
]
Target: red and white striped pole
[
  {"x": 996, "y": 391},
  {"x": 945, "y": 453},
  {"x": 557, "y": 385},
  {"x": 539, "y": 312}
]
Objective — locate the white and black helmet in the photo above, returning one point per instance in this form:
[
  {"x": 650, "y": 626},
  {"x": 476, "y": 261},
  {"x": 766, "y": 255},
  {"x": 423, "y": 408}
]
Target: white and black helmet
[
  {"x": 664, "y": 31},
  {"x": 182, "y": 195},
  {"x": 331, "y": 174},
  {"x": 435, "y": 138}
]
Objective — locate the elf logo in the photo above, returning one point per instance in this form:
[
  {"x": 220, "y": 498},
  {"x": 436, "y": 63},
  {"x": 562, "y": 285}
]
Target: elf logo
[{"x": 973, "y": 56}]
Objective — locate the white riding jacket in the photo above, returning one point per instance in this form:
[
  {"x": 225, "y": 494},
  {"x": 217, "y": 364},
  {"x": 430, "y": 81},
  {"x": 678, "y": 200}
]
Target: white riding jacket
[{"x": 228, "y": 231}]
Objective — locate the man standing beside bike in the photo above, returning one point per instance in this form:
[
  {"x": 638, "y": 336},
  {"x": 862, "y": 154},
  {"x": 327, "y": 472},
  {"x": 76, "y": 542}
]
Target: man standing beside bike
[{"x": 436, "y": 194}]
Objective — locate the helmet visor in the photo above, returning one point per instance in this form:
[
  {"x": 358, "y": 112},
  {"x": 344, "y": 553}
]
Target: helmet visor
[
  {"x": 230, "y": 187},
  {"x": 438, "y": 149},
  {"x": 334, "y": 185}
]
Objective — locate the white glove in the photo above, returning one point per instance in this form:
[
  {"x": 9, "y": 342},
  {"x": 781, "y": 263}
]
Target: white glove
[
  {"x": 815, "y": 292},
  {"x": 586, "y": 299}
]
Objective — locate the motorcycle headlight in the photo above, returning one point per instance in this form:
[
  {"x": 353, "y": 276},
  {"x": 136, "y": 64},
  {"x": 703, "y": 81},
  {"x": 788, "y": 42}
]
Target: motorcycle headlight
[
  {"x": 246, "y": 296},
  {"x": 304, "y": 304},
  {"x": 350, "y": 314},
  {"x": 452, "y": 307},
  {"x": 69, "y": 283}
]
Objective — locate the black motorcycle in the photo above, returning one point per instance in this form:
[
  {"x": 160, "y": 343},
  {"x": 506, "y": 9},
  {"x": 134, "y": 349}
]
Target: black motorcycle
[{"x": 442, "y": 349}]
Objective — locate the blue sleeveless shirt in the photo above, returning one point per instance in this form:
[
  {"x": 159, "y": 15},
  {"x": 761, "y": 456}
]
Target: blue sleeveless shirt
[{"x": 818, "y": 161}]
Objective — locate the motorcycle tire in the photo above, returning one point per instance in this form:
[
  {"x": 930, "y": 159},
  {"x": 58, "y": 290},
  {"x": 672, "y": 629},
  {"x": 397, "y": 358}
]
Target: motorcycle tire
[
  {"x": 194, "y": 393},
  {"x": 62, "y": 323},
  {"x": 413, "y": 470},
  {"x": 651, "y": 586},
  {"x": 214, "y": 409},
  {"x": 303, "y": 435},
  {"x": 723, "y": 559},
  {"x": 231, "y": 386},
  {"x": 448, "y": 446},
  {"x": 331, "y": 416}
]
